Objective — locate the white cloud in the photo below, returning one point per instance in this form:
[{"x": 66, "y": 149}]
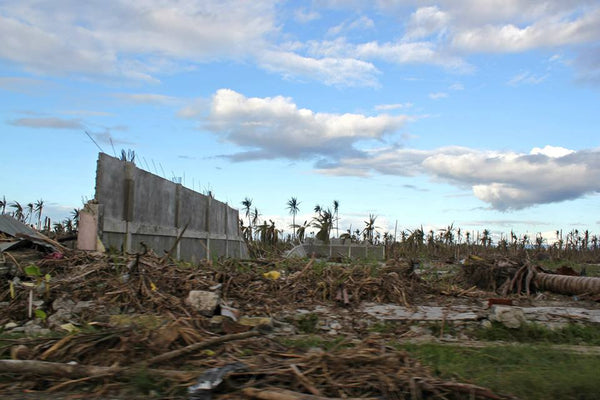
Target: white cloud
[
  {"x": 457, "y": 86},
  {"x": 551, "y": 31},
  {"x": 361, "y": 23},
  {"x": 425, "y": 22},
  {"x": 303, "y": 16},
  {"x": 147, "y": 98},
  {"x": 505, "y": 180},
  {"x": 274, "y": 127},
  {"x": 396, "y": 106},
  {"x": 438, "y": 95},
  {"x": 331, "y": 71},
  {"x": 23, "y": 85},
  {"x": 130, "y": 39},
  {"x": 527, "y": 78},
  {"x": 551, "y": 151},
  {"x": 48, "y": 122}
]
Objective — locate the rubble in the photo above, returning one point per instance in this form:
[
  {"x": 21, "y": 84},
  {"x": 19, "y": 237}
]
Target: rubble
[{"x": 175, "y": 323}]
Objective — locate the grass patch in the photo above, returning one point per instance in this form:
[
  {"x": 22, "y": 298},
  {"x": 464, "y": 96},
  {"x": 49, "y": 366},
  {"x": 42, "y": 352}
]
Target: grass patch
[
  {"x": 308, "y": 323},
  {"x": 576, "y": 334},
  {"x": 528, "y": 372}
]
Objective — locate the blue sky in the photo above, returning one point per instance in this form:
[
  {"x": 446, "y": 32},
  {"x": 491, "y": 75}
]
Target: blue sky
[{"x": 481, "y": 113}]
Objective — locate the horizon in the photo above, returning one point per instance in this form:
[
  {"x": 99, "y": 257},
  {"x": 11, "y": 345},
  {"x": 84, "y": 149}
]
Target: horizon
[{"x": 478, "y": 115}]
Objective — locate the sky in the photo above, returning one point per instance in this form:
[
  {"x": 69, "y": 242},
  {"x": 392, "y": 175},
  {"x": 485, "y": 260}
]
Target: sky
[{"x": 481, "y": 114}]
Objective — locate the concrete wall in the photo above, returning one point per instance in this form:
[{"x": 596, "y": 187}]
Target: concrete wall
[
  {"x": 136, "y": 206},
  {"x": 338, "y": 248}
]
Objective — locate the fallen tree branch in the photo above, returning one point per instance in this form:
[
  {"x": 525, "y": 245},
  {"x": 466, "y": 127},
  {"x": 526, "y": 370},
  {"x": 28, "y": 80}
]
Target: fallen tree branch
[
  {"x": 197, "y": 346},
  {"x": 78, "y": 371}
]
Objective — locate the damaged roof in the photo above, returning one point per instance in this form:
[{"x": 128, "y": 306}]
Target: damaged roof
[{"x": 14, "y": 228}]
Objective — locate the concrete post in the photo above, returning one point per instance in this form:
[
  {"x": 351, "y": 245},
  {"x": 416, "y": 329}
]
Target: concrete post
[
  {"x": 209, "y": 198},
  {"x": 226, "y": 230},
  {"x": 129, "y": 203},
  {"x": 178, "y": 219}
]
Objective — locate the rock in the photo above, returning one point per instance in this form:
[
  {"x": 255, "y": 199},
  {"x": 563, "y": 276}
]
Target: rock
[
  {"x": 511, "y": 317},
  {"x": 64, "y": 304},
  {"x": 203, "y": 301},
  {"x": 10, "y": 325},
  {"x": 60, "y": 317},
  {"x": 335, "y": 326},
  {"x": 486, "y": 323}
]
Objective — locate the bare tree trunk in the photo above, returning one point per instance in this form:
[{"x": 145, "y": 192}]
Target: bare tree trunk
[{"x": 566, "y": 284}]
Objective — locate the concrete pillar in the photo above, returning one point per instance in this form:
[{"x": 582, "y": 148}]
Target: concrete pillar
[
  {"x": 129, "y": 203},
  {"x": 209, "y": 198},
  {"x": 178, "y": 221},
  {"x": 87, "y": 234}
]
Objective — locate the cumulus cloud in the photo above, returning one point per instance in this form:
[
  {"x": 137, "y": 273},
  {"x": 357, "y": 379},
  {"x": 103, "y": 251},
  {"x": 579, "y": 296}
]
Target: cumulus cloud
[
  {"x": 426, "y": 21},
  {"x": 504, "y": 180},
  {"x": 274, "y": 127},
  {"x": 131, "y": 39},
  {"x": 550, "y": 31},
  {"x": 48, "y": 123}
]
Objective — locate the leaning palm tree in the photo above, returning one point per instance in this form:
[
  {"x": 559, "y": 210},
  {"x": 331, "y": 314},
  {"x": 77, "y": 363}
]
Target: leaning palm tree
[
  {"x": 292, "y": 206},
  {"x": 18, "y": 213},
  {"x": 39, "y": 206}
]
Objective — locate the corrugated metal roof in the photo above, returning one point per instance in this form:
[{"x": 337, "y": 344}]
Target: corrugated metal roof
[{"x": 12, "y": 227}]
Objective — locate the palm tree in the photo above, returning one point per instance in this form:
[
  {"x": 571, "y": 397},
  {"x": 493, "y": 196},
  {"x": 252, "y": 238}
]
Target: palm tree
[
  {"x": 292, "y": 206},
  {"x": 302, "y": 230},
  {"x": 3, "y": 204},
  {"x": 336, "y": 207},
  {"x": 18, "y": 213},
  {"x": 39, "y": 206},
  {"x": 29, "y": 212},
  {"x": 75, "y": 218},
  {"x": 323, "y": 222},
  {"x": 247, "y": 203},
  {"x": 370, "y": 228}
]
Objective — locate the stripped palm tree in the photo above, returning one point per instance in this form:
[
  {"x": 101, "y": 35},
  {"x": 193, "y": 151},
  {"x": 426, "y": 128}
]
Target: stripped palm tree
[
  {"x": 336, "y": 207},
  {"x": 247, "y": 203},
  {"x": 39, "y": 206},
  {"x": 370, "y": 227},
  {"x": 29, "y": 212},
  {"x": 292, "y": 206}
]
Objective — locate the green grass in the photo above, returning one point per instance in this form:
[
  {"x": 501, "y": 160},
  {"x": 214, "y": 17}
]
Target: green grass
[
  {"x": 575, "y": 334},
  {"x": 525, "y": 371}
]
